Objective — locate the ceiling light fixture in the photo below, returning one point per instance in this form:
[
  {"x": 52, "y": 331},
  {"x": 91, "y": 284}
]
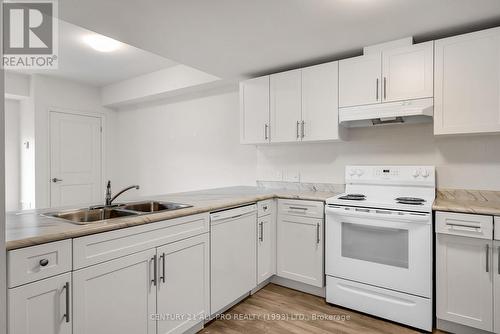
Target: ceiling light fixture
[{"x": 102, "y": 43}]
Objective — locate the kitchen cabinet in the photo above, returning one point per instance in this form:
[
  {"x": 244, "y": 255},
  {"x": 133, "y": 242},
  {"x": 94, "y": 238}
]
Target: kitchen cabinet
[
  {"x": 266, "y": 240},
  {"x": 117, "y": 296},
  {"x": 398, "y": 74},
  {"x": 464, "y": 286},
  {"x": 467, "y": 89},
  {"x": 408, "y": 72},
  {"x": 233, "y": 256},
  {"x": 300, "y": 242},
  {"x": 286, "y": 117},
  {"x": 360, "y": 80},
  {"x": 183, "y": 284},
  {"x": 254, "y": 111},
  {"x": 320, "y": 105},
  {"x": 41, "y": 307}
]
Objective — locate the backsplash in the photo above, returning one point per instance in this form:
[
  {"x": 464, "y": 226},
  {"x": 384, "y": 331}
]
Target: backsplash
[{"x": 298, "y": 186}]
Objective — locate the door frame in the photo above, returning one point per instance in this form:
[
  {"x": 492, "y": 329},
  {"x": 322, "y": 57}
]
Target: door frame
[{"x": 73, "y": 112}]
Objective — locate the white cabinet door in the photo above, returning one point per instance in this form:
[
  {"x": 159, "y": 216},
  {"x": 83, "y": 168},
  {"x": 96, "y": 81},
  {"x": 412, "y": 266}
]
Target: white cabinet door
[
  {"x": 360, "y": 80},
  {"x": 300, "y": 249},
  {"x": 286, "y": 98},
  {"x": 117, "y": 296},
  {"x": 233, "y": 260},
  {"x": 408, "y": 72},
  {"x": 183, "y": 284},
  {"x": 41, "y": 307},
  {"x": 254, "y": 111},
  {"x": 496, "y": 284},
  {"x": 266, "y": 247},
  {"x": 467, "y": 83},
  {"x": 320, "y": 105},
  {"x": 464, "y": 288}
]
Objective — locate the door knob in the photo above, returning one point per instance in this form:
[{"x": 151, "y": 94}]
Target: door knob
[{"x": 55, "y": 180}]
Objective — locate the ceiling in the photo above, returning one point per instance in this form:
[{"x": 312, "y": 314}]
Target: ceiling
[
  {"x": 79, "y": 62},
  {"x": 238, "y": 38}
]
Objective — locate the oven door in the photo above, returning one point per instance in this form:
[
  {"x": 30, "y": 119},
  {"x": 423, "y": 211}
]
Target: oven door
[{"x": 385, "y": 248}]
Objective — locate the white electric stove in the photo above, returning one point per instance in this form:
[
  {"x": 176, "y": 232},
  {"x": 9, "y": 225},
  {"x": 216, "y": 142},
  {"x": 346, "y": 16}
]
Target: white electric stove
[{"x": 379, "y": 243}]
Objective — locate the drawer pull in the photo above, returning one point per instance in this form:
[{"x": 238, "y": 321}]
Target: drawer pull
[
  {"x": 43, "y": 262},
  {"x": 264, "y": 207},
  {"x": 297, "y": 208},
  {"x": 464, "y": 227}
]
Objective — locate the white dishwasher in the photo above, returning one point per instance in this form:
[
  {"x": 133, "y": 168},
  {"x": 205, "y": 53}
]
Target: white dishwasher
[{"x": 233, "y": 256}]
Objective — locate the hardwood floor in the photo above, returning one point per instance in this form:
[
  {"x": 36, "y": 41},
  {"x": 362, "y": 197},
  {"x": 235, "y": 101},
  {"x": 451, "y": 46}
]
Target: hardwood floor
[{"x": 271, "y": 310}]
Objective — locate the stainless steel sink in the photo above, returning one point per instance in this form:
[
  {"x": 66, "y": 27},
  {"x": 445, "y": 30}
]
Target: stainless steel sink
[
  {"x": 97, "y": 214},
  {"x": 154, "y": 206},
  {"x": 85, "y": 216}
]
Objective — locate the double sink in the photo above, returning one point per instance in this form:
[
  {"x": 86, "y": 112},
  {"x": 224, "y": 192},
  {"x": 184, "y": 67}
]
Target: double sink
[{"x": 97, "y": 214}]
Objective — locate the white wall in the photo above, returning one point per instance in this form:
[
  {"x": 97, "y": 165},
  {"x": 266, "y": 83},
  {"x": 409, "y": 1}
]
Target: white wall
[
  {"x": 183, "y": 146},
  {"x": 471, "y": 162},
  {"x": 12, "y": 155},
  {"x": 51, "y": 93}
]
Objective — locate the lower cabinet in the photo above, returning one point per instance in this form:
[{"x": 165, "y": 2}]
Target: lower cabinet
[
  {"x": 266, "y": 247},
  {"x": 300, "y": 249},
  {"x": 183, "y": 284},
  {"x": 464, "y": 289},
  {"x": 41, "y": 307},
  {"x": 117, "y": 296}
]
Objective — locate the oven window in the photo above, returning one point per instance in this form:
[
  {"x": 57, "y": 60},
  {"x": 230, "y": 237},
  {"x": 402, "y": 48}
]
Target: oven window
[{"x": 382, "y": 245}]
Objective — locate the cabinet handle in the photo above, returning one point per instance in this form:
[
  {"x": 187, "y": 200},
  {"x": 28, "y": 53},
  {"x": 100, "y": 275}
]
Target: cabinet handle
[
  {"x": 155, "y": 270},
  {"x": 162, "y": 278},
  {"x": 66, "y": 315},
  {"x": 303, "y": 129},
  {"x": 297, "y": 208},
  {"x": 376, "y": 90},
  {"x": 317, "y": 233},
  {"x": 55, "y": 180},
  {"x": 498, "y": 264},
  {"x": 487, "y": 258},
  {"x": 298, "y": 133},
  {"x": 385, "y": 88},
  {"x": 261, "y": 225},
  {"x": 266, "y": 131},
  {"x": 43, "y": 262}
]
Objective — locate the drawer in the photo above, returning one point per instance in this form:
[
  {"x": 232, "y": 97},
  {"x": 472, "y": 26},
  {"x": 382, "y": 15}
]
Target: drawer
[
  {"x": 97, "y": 248},
  {"x": 34, "y": 263},
  {"x": 301, "y": 208},
  {"x": 466, "y": 225},
  {"x": 266, "y": 207}
]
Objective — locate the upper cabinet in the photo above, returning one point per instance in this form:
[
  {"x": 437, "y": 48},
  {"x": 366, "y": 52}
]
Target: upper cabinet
[
  {"x": 398, "y": 74},
  {"x": 286, "y": 91},
  {"x": 467, "y": 76},
  {"x": 320, "y": 106},
  {"x": 360, "y": 80},
  {"x": 408, "y": 73},
  {"x": 254, "y": 111}
]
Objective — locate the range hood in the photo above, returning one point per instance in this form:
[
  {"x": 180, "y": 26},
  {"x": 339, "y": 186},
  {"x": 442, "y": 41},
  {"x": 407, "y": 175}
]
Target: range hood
[{"x": 411, "y": 111}]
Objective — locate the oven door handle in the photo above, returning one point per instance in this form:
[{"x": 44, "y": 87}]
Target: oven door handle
[{"x": 378, "y": 214}]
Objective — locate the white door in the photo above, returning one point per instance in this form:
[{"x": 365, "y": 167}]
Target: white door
[
  {"x": 300, "y": 249},
  {"x": 183, "y": 284},
  {"x": 464, "y": 287},
  {"x": 75, "y": 159},
  {"x": 254, "y": 111},
  {"x": 117, "y": 296},
  {"x": 408, "y": 72},
  {"x": 360, "y": 80},
  {"x": 286, "y": 106},
  {"x": 467, "y": 76},
  {"x": 41, "y": 307},
  {"x": 233, "y": 260},
  {"x": 320, "y": 103},
  {"x": 266, "y": 248}
]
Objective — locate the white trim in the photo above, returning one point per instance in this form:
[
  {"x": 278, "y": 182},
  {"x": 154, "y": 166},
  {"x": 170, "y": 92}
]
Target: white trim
[{"x": 101, "y": 116}]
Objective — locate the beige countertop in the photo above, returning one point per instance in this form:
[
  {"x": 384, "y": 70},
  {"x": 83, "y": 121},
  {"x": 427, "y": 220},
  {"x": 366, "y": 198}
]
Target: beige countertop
[
  {"x": 468, "y": 201},
  {"x": 28, "y": 228}
]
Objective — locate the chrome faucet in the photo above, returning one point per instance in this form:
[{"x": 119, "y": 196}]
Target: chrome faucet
[{"x": 109, "y": 199}]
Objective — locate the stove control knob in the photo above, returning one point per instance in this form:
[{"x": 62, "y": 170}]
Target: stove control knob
[
  {"x": 359, "y": 172},
  {"x": 352, "y": 172},
  {"x": 425, "y": 173},
  {"x": 416, "y": 173}
]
